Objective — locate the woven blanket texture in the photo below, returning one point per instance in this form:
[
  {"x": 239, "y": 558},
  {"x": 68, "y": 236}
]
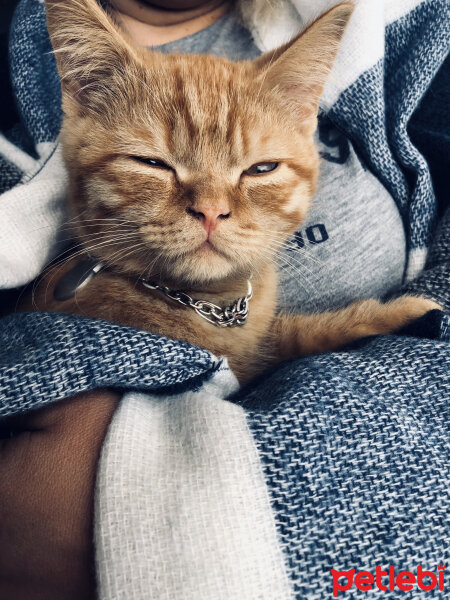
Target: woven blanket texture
[
  {"x": 334, "y": 461},
  {"x": 46, "y": 357}
]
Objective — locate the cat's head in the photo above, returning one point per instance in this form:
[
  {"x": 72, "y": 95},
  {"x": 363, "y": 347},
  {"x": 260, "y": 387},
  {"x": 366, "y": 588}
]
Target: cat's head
[{"x": 189, "y": 169}]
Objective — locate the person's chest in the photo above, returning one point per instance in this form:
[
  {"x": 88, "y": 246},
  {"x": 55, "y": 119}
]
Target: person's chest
[{"x": 352, "y": 243}]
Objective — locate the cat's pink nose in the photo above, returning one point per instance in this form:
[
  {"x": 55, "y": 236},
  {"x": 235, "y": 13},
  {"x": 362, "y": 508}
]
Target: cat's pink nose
[{"x": 209, "y": 217}]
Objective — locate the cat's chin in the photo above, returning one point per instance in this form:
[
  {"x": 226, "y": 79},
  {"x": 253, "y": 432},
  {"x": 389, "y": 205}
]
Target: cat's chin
[
  {"x": 208, "y": 250},
  {"x": 204, "y": 266}
]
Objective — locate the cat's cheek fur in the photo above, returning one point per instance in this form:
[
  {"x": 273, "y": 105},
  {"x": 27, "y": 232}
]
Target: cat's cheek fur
[
  {"x": 298, "y": 203},
  {"x": 101, "y": 194}
]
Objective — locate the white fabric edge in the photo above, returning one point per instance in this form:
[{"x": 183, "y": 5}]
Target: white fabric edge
[
  {"x": 362, "y": 45},
  {"x": 32, "y": 214},
  {"x": 396, "y": 9},
  {"x": 416, "y": 263},
  {"x": 182, "y": 510},
  {"x": 16, "y": 156}
]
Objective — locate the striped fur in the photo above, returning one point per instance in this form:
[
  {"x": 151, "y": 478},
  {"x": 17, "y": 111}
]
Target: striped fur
[{"x": 209, "y": 120}]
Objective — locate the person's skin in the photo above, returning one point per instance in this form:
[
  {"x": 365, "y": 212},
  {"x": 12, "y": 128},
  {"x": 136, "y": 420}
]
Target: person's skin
[
  {"x": 47, "y": 477},
  {"x": 48, "y": 458},
  {"x": 159, "y": 22}
]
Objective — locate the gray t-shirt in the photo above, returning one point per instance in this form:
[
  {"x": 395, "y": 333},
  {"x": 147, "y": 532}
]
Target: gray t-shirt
[
  {"x": 225, "y": 38},
  {"x": 352, "y": 244}
]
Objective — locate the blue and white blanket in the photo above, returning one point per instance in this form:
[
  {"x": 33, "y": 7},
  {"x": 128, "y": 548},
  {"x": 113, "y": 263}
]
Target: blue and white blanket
[{"x": 338, "y": 461}]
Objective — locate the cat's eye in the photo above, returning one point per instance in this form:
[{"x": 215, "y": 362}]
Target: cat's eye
[
  {"x": 152, "y": 162},
  {"x": 261, "y": 168}
]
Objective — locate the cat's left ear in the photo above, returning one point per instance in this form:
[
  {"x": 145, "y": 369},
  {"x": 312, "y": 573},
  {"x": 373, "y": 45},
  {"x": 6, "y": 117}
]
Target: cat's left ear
[
  {"x": 298, "y": 70},
  {"x": 95, "y": 60}
]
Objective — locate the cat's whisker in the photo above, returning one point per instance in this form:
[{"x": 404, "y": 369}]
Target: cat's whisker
[
  {"x": 78, "y": 238},
  {"x": 255, "y": 269},
  {"x": 87, "y": 248},
  {"x": 300, "y": 263},
  {"x": 126, "y": 251},
  {"x": 301, "y": 270},
  {"x": 120, "y": 219},
  {"x": 303, "y": 251},
  {"x": 54, "y": 271},
  {"x": 264, "y": 77},
  {"x": 101, "y": 234},
  {"x": 280, "y": 251},
  {"x": 307, "y": 285},
  {"x": 146, "y": 272},
  {"x": 264, "y": 236},
  {"x": 278, "y": 258},
  {"x": 151, "y": 93},
  {"x": 118, "y": 255},
  {"x": 86, "y": 223},
  {"x": 297, "y": 270},
  {"x": 91, "y": 223},
  {"x": 82, "y": 251}
]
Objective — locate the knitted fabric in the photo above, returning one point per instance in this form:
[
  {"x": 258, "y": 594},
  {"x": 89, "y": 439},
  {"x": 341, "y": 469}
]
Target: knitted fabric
[
  {"x": 395, "y": 86},
  {"x": 210, "y": 486},
  {"x": 346, "y": 453},
  {"x": 430, "y": 132},
  {"x": 334, "y": 461},
  {"x": 355, "y": 452},
  {"x": 42, "y": 351},
  {"x": 434, "y": 281}
]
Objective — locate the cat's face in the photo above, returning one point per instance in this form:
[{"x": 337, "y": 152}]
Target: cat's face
[
  {"x": 189, "y": 168},
  {"x": 198, "y": 136}
]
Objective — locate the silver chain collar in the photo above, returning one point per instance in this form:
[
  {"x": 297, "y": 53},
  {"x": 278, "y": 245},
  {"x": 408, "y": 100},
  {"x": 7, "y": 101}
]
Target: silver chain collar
[{"x": 233, "y": 315}]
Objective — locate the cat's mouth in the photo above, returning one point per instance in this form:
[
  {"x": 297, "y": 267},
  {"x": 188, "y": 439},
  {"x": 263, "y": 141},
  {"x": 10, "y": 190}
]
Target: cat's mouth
[
  {"x": 209, "y": 250},
  {"x": 208, "y": 247}
]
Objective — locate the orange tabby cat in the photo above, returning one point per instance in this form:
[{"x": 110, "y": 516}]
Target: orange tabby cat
[{"x": 190, "y": 171}]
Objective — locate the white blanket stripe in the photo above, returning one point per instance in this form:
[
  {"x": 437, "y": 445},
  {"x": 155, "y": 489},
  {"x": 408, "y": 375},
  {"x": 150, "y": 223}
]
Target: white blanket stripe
[{"x": 206, "y": 529}]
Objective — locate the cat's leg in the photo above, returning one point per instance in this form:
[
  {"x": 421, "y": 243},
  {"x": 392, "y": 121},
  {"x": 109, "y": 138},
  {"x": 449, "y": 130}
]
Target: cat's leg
[{"x": 301, "y": 335}]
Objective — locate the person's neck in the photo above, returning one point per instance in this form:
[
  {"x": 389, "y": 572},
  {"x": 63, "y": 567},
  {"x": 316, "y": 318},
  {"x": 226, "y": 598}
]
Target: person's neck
[{"x": 148, "y": 24}]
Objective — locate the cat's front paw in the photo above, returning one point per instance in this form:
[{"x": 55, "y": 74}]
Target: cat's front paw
[
  {"x": 371, "y": 317},
  {"x": 301, "y": 335},
  {"x": 403, "y": 310}
]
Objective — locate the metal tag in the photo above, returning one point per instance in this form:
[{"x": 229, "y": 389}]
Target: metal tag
[{"x": 76, "y": 278}]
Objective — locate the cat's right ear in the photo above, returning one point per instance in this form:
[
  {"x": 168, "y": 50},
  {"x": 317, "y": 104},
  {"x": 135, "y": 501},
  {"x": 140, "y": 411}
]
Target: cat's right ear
[
  {"x": 297, "y": 71},
  {"x": 92, "y": 56}
]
